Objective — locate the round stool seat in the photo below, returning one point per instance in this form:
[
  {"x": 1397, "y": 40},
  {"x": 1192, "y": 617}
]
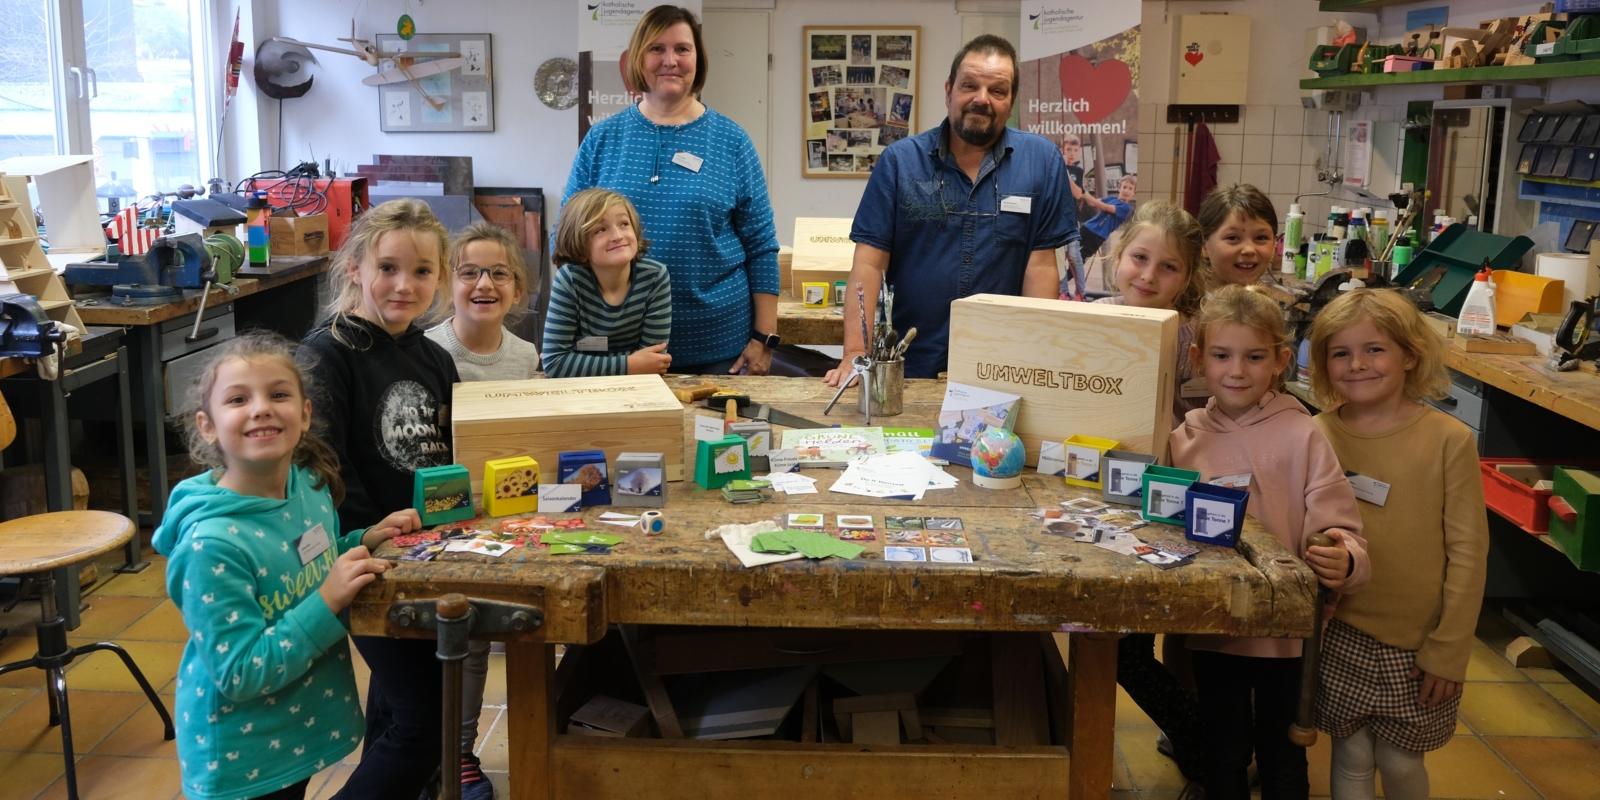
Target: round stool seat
[{"x": 59, "y": 539}]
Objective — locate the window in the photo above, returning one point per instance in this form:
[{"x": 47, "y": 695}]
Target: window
[{"x": 116, "y": 78}]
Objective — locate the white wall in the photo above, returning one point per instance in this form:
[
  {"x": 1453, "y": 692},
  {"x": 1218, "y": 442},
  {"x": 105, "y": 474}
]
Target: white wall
[{"x": 531, "y": 145}]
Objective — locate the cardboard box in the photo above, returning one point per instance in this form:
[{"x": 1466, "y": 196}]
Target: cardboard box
[
  {"x": 441, "y": 494},
  {"x": 543, "y": 417},
  {"x": 299, "y": 236},
  {"x": 823, "y": 252},
  {"x": 511, "y": 486},
  {"x": 1079, "y": 367}
]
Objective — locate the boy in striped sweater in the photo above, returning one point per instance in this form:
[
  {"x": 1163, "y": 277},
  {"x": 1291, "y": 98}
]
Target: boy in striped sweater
[{"x": 610, "y": 308}]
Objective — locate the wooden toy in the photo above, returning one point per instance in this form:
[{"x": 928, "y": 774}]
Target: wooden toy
[
  {"x": 442, "y": 494},
  {"x": 510, "y": 486}
]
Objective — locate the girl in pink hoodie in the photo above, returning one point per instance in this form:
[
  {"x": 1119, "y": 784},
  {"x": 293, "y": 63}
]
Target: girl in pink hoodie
[{"x": 1250, "y": 434}]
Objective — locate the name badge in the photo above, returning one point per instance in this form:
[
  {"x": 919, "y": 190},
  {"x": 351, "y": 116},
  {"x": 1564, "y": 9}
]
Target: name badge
[
  {"x": 1369, "y": 489},
  {"x": 1238, "y": 481},
  {"x": 1017, "y": 204},
  {"x": 594, "y": 344},
  {"x": 688, "y": 161},
  {"x": 313, "y": 543}
]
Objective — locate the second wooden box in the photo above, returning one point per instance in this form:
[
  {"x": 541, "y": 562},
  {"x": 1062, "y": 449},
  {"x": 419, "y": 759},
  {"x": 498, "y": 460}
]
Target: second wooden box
[{"x": 1081, "y": 368}]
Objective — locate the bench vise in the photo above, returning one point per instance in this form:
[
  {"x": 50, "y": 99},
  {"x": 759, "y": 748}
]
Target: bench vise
[
  {"x": 174, "y": 263},
  {"x": 25, "y": 331}
]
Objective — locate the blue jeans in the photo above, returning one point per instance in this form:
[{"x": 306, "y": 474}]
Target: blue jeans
[
  {"x": 405, "y": 709},
  {"x": 713, "y": 368}
]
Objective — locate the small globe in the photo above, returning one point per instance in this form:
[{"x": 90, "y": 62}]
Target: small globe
[{"x": 997, "y": 459}]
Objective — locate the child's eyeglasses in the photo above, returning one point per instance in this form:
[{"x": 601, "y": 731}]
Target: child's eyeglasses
[{"x": 470, "y": 275}]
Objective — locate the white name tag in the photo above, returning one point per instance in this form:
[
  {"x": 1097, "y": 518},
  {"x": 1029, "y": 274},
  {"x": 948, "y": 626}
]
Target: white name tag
[
  {"x": 708, "y": 428},
  {"x": 593, "y": 344},
  {"x": 688, "y": 161},
  {"x": 1237, "y": 481},
  {"x": 313, "y": 543},
  {"x": 1052, "y": 459},
  {"x": 781, "y": 461},
  {"x": 1017, "y": 204},
  {"x": 559, "y": 497},
  {"x": 1369, "y": 489}
]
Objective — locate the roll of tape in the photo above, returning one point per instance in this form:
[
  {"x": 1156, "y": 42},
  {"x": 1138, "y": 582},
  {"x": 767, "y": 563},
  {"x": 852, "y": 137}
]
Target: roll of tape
[{"x": 652, "y": 523}]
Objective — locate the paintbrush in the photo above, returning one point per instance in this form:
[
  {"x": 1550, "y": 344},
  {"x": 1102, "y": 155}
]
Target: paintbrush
[{"x": 900, "y": 349}]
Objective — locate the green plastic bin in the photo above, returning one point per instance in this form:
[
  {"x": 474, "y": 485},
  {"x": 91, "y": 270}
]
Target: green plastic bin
[
  {"x": 1450, "y": 261},
  {"x": 1575, "y": 516}
]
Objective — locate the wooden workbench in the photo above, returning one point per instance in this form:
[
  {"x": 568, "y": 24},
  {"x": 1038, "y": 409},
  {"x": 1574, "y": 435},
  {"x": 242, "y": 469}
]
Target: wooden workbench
[
  {"x": 100, "y": 311},
  {"x": 798, "y": 324},
  {"x": 1574, "y": 395},
  {"x": 1021, "y": 581}
]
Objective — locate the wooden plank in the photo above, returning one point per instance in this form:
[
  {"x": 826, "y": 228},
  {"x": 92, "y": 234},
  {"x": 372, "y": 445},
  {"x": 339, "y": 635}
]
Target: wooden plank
[
  {"x": 958, "y": 717},
  {"x": 809, "y": 715},
  {"x": 912, "y": 721},
  {"x": 570, "y": 595},
  {"x": 1019, "y": 718},
  {"x": 1574, "y": 395},
  {"x": 893, "y": 701},
  {"x": 1093, "y": 678},
  {"x": 655, "y": 693},
  {"x": 875, "y": 727},
  {"x": 680, "y": 650},
  {"x": 542, "y": 418},
  {"x": 100, "y": 311},
  {"x": 531, "y": 727},
  {"x": 1058, "y": 684},
  {"x": 623, "y": 769},
  {"x": 798, "y": 324},
  {"x": 1083, "y": 368}
]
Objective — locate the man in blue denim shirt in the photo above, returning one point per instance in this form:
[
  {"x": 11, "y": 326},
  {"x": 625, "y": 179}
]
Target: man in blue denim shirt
[{"x": 947, "y": 216}]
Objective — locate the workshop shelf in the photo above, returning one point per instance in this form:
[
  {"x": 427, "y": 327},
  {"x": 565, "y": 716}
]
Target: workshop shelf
[{"x": 1521, "y": 74}]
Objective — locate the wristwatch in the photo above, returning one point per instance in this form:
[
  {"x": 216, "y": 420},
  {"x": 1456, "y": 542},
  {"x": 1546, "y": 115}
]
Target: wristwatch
[{"x": 770, "y": 340}]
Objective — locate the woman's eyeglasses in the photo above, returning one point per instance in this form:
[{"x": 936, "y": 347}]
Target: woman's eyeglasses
[{"x": 499, "y": 276}]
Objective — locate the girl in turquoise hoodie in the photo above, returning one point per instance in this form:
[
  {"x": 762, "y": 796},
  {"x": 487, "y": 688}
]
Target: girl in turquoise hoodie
[{"x": 266, "y": 695}]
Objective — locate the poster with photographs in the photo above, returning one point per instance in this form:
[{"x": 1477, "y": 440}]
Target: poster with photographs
[
  {"x": 459, "y": 99},
  {"x": 861, "y": 93}
]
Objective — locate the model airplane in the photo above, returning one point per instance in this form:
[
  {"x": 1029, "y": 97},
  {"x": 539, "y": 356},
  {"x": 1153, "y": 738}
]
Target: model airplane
[{"x": 408, "y": 65}]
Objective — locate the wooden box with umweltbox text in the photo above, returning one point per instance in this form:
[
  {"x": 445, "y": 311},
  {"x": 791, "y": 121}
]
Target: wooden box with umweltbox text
[
  {"x": 1081, "y": 368},
  {"x": 823, "y": 253},
  {"x": 543, "y": 417}
]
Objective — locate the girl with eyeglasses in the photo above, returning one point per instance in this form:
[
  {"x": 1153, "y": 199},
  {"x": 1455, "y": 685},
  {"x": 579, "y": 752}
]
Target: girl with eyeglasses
[
  {"x": 610, "y": 307},
  {"x": 489, "y": 283}
]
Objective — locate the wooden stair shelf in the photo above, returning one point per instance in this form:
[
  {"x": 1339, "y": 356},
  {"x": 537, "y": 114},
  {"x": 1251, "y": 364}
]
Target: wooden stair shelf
[{"x": 23, "y": 266}]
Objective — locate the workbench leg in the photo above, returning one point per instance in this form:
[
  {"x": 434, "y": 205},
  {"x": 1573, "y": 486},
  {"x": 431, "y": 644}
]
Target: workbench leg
[
  {"x": 530, "y": 716},
  {"x": 1092, "y": 675},
  {"x": 53, "y": 424},
  {"x": 133, "y": 560},
  {"x": 147, "y": 375}
]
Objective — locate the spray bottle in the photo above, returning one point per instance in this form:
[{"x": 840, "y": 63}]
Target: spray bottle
[
  {"x": 1292, "y": 227},
  {"x": 1378, "y": 231}
]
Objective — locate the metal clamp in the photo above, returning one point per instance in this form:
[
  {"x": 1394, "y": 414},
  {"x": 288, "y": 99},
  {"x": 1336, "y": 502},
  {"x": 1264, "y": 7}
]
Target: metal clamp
[{"x": 491, "y": 617}]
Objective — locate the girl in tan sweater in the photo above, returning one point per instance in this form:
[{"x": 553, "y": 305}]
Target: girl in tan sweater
[{"x": 1394, "y": 656}]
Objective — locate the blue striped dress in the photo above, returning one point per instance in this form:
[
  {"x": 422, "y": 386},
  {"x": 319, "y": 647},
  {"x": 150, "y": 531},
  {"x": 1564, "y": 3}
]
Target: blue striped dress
[
  {"x": 712, "y": 228},
  {"x": 578, "y": 309}
]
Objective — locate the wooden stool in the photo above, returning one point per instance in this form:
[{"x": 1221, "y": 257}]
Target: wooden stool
[{"x": 45, "y": 542}]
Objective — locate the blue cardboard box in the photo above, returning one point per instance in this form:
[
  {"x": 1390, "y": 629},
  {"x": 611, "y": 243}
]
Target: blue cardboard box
[{"x": 587, "y": 468}]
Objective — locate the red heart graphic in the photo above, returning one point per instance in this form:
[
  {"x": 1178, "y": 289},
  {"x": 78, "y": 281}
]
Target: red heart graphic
[
  {"x": 1193, "y": 57},
  {"x": 1103, "y": 87}
]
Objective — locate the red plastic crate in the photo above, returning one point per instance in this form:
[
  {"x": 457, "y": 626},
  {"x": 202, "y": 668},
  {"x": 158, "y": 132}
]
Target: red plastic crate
[{"x": 1527, "y": 508}]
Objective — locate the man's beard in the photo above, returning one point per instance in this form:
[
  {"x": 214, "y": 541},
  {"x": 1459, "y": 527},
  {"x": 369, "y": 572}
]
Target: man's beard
[{"x": 974, "y": 136}]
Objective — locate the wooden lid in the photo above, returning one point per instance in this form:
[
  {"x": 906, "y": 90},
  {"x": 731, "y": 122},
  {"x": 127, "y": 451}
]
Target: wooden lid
[{"x": 59, "y": 539}]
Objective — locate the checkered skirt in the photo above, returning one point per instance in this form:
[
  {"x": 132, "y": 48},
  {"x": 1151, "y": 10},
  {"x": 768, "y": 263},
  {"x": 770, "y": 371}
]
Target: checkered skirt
[{"x": 1366, "y": 682}]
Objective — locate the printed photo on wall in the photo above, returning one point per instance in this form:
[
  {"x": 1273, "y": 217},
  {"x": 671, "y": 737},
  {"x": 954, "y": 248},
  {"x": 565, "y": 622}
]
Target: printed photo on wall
[{"x": 859, "y": 82}]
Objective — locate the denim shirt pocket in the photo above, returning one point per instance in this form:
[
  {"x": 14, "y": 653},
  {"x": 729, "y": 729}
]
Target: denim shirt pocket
[{"x": 1015, "y": 226}]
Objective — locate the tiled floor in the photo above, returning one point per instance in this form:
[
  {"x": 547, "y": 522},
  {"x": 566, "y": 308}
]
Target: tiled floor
[{"x": 1523, "y": 733}]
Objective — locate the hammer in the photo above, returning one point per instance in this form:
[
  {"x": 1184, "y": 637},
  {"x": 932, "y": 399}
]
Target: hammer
[{"x": 1303, "y": 731}]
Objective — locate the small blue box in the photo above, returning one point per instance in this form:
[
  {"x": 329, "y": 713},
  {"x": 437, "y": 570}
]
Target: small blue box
[
  {"x": 587, "y": 468},
  {"x": 1214, "y": 514}
]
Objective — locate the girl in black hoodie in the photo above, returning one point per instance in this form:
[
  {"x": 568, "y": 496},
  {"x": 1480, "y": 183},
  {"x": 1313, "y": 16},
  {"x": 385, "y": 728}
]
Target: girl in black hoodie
[{"x": 383, "y": 390}]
